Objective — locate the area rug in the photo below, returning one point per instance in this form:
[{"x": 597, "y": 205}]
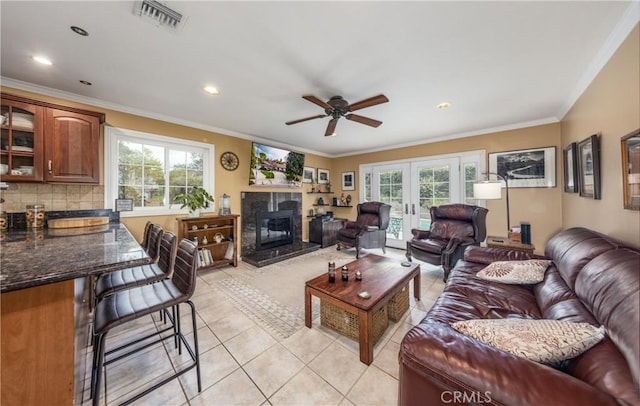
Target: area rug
[{"x": 273, "y": 296}]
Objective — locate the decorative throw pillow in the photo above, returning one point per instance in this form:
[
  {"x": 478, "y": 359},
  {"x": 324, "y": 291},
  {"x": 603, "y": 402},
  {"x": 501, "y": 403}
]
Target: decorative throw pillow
[
  {"x": 515, "y": 272},
  {"x": 544, "y": 341}
]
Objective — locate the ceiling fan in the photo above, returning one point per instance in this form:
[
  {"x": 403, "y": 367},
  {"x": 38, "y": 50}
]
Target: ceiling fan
[{"x": 338, "y": 107}]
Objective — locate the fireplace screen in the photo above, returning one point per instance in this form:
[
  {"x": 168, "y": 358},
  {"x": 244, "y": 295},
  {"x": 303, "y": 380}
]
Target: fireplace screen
[{"x": 274, "y": 228}]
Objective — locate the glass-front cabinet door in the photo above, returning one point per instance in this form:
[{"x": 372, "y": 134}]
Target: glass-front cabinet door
[{"x": 21, "y": 141}]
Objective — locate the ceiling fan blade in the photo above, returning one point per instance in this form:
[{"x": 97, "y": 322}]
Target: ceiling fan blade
[
  {"x": 313, "y": 99},
  {"x": 331, "y": 127},
  {"x": 371, "y": 101},
  {"x": 305, "y": 119},
  {"x": 363, "y": 120}
]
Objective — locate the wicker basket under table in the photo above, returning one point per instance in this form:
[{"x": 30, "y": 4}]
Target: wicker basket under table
[
  {"x": 398, "y": 304},
  {"x": 347, "y": 323}
]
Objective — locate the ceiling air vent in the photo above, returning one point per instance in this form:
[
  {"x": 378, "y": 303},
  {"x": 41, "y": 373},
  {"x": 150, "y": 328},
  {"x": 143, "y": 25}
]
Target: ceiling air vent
[{"x": 159, "y": 14}]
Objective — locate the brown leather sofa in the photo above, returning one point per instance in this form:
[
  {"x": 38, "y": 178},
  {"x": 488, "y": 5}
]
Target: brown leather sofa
[
  {"x": 593, "y": 279},
  {"x": 454, "y": 227}
]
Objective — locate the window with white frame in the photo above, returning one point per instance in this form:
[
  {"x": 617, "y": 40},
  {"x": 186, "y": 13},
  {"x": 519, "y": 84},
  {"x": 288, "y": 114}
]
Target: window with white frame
[{"x": 152, "y": 169}]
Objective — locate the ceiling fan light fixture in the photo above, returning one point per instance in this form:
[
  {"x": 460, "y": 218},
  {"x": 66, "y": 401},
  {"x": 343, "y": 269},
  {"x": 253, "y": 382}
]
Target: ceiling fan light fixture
[
  {"x": 211, "y": 90},
  {"x": 443, "y": 105},
  {"x": 43, "y": 60}
]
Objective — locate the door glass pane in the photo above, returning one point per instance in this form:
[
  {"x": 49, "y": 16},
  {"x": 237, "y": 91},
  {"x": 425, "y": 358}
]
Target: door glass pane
[
  {"x": 391, "y": 193},
  {"x": 434, "y": 186},
  {"x": 470, "y": 177},
  {"x": 367, "y": 187}
]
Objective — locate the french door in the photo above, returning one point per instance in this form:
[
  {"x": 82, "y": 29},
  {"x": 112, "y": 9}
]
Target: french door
[{"x": 411, "y": 188}]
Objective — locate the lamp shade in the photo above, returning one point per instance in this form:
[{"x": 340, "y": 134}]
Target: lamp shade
[{"x": 487, "y": 190}]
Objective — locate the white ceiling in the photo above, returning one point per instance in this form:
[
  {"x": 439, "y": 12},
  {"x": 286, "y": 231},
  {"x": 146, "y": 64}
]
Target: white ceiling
[{"x": 501, "y": 65}]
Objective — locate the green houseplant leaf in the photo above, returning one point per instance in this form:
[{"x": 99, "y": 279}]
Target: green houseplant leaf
[{"x": 194, "y": 198}]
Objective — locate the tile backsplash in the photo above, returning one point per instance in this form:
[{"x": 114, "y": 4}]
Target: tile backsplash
[{"x": 53, "y": 196}]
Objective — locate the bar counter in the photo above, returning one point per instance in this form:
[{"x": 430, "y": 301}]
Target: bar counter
[
  {"x": 34, "y": 258},
  {"x": 45, "y": 280}
]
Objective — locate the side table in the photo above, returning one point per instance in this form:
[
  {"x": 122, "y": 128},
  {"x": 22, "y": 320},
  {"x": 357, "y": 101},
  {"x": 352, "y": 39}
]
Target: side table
[
  {"x": 324, "y": 232},
  {"x": 505, "y": 243}
]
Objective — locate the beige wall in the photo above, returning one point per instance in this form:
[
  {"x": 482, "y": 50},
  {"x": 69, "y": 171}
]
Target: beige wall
[
  {"x": 539, "y": 206},
  {"x": 228, "y": 182},
  {"x": 611, "y": 107}
]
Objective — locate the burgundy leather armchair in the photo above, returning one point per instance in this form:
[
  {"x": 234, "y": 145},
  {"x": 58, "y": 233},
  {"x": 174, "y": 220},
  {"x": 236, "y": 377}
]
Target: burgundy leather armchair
[
  {"x": 369, "y": 230},
  {"x": 454, "y": 227}
]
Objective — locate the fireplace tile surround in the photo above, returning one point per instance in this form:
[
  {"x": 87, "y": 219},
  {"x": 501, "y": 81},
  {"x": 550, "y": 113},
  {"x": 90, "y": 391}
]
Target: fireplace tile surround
[{"x": 255, "y": 203}]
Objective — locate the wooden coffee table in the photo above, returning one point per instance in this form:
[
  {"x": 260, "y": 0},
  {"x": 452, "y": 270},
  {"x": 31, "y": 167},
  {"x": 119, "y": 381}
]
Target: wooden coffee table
[{"x": 381, "y": 277}]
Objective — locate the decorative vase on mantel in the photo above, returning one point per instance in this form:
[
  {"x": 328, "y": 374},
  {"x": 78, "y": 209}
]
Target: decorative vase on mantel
[{"x": 194, "y": 213}]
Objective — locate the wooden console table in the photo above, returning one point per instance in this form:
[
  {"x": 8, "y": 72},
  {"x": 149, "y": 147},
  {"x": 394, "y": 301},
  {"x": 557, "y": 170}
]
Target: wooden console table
[{"x": 505, "y": 243}]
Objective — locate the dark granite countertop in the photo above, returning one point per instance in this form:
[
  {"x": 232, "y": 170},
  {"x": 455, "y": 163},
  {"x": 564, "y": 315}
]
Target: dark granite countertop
[{"x": 34, "y": 258}]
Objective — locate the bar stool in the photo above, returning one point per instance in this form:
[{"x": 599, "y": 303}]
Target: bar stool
[
  {"x": 130, "y": 304},
  {"x": 140, "y": 275}
]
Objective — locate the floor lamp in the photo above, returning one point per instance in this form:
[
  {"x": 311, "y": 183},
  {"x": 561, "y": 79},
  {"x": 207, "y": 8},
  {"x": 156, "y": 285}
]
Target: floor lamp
[{"x": 491, "y": 190}]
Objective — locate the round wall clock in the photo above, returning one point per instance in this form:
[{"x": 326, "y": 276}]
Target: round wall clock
[{"x": 229, "y": 161}]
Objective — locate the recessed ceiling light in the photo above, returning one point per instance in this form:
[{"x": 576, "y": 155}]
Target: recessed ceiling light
[
  {"x": 444, "y": 105},
  {"x": 85, "y": 82},
  {"x": 79, "y": 31},
  {"x": 42, "y": 60},
  {"x": 332, "y": 135},
  {"x": 212, "y": 90}
]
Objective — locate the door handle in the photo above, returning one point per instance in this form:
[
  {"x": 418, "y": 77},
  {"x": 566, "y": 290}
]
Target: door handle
[
  {"x": 50, "y": 167},
  {"x": 406, "y": 208},
  {"x": 413, "y": 208}
]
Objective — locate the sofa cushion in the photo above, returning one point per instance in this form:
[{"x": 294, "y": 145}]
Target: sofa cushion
[
  {"x": 515, "y": 272},
  {"x": 545, "y": 341}
]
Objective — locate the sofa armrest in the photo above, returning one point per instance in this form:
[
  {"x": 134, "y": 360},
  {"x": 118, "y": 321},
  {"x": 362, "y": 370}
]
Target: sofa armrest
[
  {"x": 437, "y": 363},
  {"x": 484, "y": 255},
  {"x": 420, "y": 234}
]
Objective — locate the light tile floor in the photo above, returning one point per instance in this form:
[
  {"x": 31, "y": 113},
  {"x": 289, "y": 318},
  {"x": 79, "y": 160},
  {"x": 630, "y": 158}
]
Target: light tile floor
[{"x": 243, "y": 364}]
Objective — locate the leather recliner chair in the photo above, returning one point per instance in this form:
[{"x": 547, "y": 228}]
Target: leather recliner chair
[
  {"x": 454, "y": 227},
  {"x": 369, "y": 230}
]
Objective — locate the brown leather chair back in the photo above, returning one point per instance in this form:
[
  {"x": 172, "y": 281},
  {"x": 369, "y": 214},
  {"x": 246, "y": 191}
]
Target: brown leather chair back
[
  {"x": 462, "y": 220},
  {"x": 374, "y": 214}
]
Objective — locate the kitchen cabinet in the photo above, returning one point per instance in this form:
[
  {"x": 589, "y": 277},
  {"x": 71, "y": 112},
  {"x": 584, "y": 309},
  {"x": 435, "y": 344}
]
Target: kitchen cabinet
[
  {"x": 46, "y": 142},
  {"x": 21, "y": 141},
  {"x": 72, "y": 146},
  {"x": 216, "y": 237}
]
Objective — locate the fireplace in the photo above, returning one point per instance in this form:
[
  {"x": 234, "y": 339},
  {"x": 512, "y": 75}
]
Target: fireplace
[{"x": 274, "y": 228}]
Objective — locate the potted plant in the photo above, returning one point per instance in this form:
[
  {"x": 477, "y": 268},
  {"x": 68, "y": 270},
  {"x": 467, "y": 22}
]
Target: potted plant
[{"x": 194, "y": 198}]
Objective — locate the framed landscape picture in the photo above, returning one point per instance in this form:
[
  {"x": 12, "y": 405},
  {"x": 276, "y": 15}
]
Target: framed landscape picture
[
  {"x": 308, "y": 174},
  {"x": 570, "y": 168},
  {"x": 527, "y": 167},
  {"x": 323, "y": 176},
  {"x": 348, "y": 181},
  {"x": 589, "y": 167},
  {"x": 631, "y": 170}
]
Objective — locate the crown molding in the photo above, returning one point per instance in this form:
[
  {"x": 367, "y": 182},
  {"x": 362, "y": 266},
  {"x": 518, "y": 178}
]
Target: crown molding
[
  {"x": 506, "y": 127},
  {"x": 48, "y": 91}
]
